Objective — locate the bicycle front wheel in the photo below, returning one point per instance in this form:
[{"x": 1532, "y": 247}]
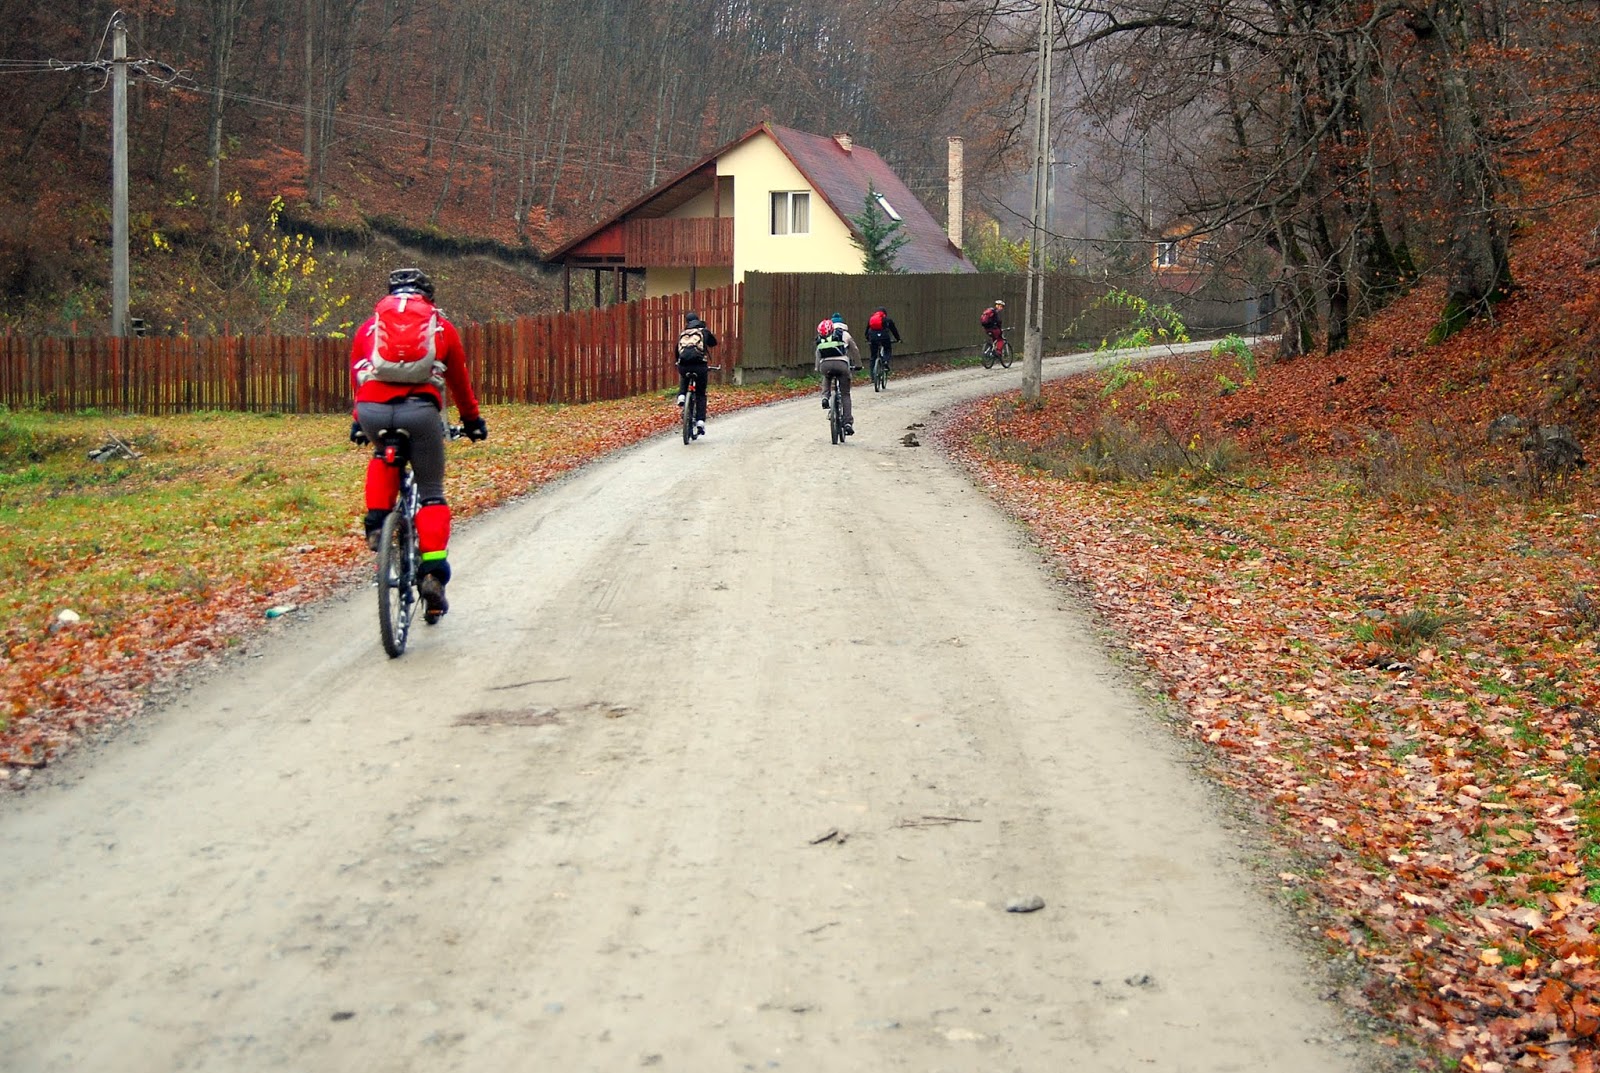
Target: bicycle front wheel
[{"x": 396, "y": 578}]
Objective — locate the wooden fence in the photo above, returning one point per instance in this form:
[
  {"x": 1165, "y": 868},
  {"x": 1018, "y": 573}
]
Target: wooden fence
[
  {"x": 938, "y": 314},
  {"x": 578, "y": 357},
  {"x": 765, "y": 327}
]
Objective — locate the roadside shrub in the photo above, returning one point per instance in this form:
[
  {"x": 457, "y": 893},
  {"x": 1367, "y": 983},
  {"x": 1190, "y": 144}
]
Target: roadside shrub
[
  {"x": 1423, "y": 469},
  {"x": 1234, "y": 347},
  {"x": 23, "y": 442},
  {"x": 1386, "y": 638},
  {"x": 1116, "y": 451}
]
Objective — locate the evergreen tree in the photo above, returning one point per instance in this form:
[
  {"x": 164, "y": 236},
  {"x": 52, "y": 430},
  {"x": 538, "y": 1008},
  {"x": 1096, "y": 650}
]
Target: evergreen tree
[{"x": 878, "y": 240}]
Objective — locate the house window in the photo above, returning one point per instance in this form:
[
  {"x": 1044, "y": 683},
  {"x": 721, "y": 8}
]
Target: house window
[
  {"x": 791, "y": 212},
  {"x": 1166, "y": 254},
  {"x": 883, "y": 203}
]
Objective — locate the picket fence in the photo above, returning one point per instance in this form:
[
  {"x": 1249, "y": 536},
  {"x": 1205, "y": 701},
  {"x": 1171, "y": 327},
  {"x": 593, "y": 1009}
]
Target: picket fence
[{"x": 577, "y": 357}]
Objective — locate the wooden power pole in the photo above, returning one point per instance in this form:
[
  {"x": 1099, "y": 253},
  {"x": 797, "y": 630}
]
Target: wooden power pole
[
  {"x": 119, "y": 177},
  {"x": 1033, "y": 340}
]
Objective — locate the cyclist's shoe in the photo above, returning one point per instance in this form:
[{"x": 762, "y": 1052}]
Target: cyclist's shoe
[
  {"x": 373, "y": 524},
  {"x": 700, "y": 428},
  {"x": 849, "y": 430},
  {"x": 824, "y": 402},
  {"x": 434, "y": 605},
  {"x": 680, "y": 400}
]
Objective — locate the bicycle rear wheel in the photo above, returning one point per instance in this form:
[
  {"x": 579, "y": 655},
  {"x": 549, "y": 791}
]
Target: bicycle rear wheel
[
  {"x": 688, "y": 415},
  {"x": 396, "y": 581},
  {"x": 877, "y": 374},
  {"x": 988, "y": 356},
  {"x": 835, "y": 421}
]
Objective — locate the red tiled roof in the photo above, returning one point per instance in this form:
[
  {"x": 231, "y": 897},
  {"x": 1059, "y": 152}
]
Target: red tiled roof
[{"x": 843, "y": 176}]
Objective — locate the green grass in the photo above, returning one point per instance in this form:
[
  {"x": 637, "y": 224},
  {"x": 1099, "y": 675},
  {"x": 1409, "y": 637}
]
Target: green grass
[{"x": 232, "y": 505}]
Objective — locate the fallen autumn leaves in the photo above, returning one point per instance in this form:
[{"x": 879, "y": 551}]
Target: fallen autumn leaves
[{"x": 1381, "y": 627}]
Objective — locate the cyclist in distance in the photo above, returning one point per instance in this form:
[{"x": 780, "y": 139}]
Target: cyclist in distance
[
  {"x": 835, "y": 347},
  {"x": 882, "y": 334},
  {"x": 694, "y": 354},
  {"x": 402, "y": 358},
  {"x": 990, "y": 320}
]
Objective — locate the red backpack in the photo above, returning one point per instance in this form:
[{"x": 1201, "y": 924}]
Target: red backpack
[
  {"x": 875, "y": 322},
  {"x": 405, "y": 342},
  {"x": 988, "y": 317}
]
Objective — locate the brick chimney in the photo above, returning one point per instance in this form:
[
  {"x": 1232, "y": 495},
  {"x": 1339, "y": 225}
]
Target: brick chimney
[
  {"x": 845, "y": 141},
  {"x": 957, "y": 192}
]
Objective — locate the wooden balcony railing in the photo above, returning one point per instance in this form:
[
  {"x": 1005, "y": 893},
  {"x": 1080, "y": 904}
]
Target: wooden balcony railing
[{"x": 699, "y": 241}]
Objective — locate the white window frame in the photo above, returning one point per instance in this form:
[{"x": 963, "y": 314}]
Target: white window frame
[
  {"x": 791, "y": 212},
  {"x": 1167, "y": 254}
]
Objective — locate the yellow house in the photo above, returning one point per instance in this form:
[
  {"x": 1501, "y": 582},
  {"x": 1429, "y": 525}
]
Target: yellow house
[{"x": 772, "y": 200}]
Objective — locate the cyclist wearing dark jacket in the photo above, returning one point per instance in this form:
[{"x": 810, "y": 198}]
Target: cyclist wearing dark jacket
[
  {"x": 414, "y": 406},
  {"x": 881, "y": 339},
  {"x": 695, "y": 369}
]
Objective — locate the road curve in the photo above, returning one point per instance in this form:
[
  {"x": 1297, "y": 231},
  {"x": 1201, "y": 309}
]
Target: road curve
[{"x": 728, "y": 757}]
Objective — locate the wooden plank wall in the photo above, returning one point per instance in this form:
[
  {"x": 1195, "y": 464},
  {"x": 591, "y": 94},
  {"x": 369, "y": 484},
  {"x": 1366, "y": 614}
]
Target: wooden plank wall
[
  {"x": 585, "y": 356},
  {"x": 938, "y": 314}
]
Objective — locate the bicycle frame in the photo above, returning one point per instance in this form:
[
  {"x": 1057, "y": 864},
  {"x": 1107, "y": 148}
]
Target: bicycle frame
[
  {"x": 398, "y": 553},
  {"x": 998, "y": 348},
  {"x": 399, "y": 557},
  {"x": 880, "y": 366},
  {"x": 835, "y": 397}
]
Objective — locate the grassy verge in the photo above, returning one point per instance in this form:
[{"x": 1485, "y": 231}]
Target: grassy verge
[{"x": 180, "y": 551}]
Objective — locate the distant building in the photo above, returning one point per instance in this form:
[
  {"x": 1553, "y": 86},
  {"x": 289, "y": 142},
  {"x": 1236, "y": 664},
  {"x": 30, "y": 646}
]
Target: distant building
[{"x": 772, "y": 200}]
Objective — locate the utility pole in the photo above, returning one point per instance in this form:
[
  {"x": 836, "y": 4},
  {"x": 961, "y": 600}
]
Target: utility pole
[
  {"x": 116, "y": 72},
  {"x": 1033, "y": 343},
  {"x": 119, "y": 177}
]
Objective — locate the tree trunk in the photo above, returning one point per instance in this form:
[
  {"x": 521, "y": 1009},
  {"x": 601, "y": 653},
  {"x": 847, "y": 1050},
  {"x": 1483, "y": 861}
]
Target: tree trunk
[{"x": 1477, "y": 254}]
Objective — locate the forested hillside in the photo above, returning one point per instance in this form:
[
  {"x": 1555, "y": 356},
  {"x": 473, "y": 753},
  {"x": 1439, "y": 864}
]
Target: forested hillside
[
  {"x": 1329, "y": 153},
  {"x": 457, "y": 126}
]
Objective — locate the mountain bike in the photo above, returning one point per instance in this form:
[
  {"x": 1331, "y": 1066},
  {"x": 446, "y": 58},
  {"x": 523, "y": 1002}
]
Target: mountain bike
[
  {"x": 399, "y": 555},
  {"x": 880, "y": 367},
  {"x": 691, "y": 430},
  {"x": 835, "y": 407},
  {"x": 998, "y": 350}
]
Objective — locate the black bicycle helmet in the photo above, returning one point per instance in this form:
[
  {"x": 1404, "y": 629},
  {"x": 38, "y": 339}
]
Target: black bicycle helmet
[{"x": 414, "y": 280}]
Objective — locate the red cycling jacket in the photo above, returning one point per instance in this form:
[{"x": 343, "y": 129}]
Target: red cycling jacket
[{"x": 451, "y": 353}]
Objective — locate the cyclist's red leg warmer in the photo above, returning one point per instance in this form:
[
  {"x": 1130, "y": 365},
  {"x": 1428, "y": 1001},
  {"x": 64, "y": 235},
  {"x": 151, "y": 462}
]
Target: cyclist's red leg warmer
[
  {"x": 433, "y": 529},
  {"x": 383, "y": 485}
]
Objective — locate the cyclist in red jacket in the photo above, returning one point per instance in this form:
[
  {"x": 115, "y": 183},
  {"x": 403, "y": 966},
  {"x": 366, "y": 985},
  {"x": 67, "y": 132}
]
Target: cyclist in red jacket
[
  {"x": 990, "y": 318},
  {"x": 401, "y": 360}
]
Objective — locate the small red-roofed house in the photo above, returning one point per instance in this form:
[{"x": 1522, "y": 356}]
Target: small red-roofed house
[{"x": 773, "y": 200}]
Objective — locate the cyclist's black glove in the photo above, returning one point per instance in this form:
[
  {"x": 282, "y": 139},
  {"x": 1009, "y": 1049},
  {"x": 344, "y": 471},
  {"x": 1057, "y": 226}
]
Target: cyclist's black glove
[
  {"x": 476, "y": 429},
  {"x": 357, "y": 437}
]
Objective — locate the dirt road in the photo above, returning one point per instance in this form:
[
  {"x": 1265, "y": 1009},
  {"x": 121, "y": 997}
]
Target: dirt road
[{"x": 729, "y": 757}]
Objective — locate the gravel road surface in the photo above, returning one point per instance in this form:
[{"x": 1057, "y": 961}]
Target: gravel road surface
[{"x": 728, "y": 757}]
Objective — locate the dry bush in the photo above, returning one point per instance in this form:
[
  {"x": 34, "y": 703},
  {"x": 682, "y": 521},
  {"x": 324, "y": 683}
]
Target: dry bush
[
  {"x": 1424, "y": 468},
  {"x": 1119, "y": 451}
]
